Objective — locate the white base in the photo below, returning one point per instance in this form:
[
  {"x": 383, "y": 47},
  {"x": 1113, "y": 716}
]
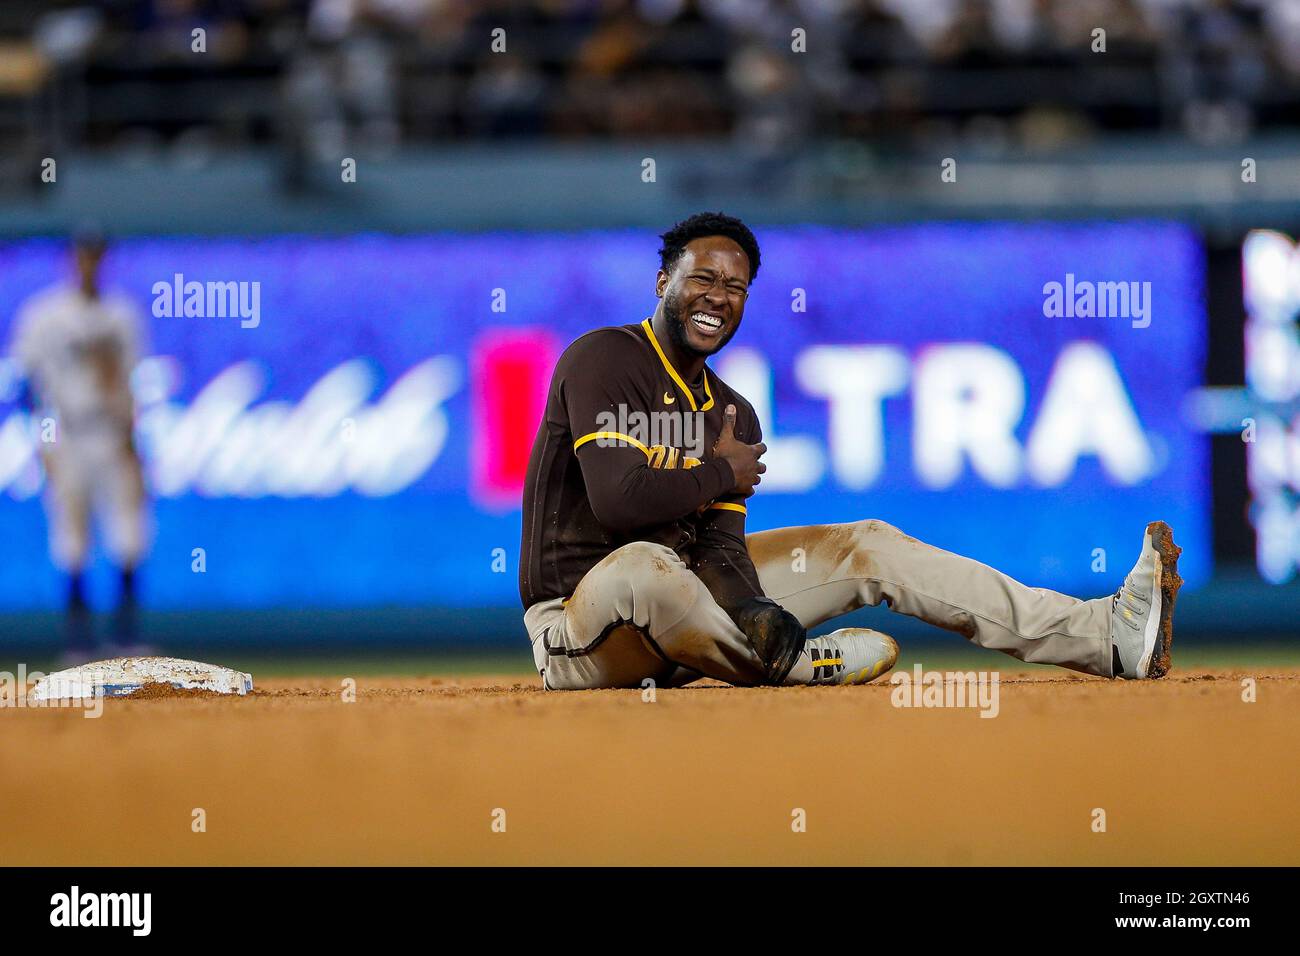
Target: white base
[{"x": 123, "y": 676}]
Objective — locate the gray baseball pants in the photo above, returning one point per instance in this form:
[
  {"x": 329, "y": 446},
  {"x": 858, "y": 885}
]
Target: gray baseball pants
[{"x": 641, "y": 613}]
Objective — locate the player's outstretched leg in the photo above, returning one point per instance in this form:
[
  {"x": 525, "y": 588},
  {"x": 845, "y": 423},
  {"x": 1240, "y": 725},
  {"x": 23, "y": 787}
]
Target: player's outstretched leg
[
  {"x": 1142, "y": 618},
  {"x": 819, "y": 572}
]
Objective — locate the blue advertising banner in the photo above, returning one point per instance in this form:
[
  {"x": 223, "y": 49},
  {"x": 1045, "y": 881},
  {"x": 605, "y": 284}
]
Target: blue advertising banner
[{"x": 345, "y": 421}]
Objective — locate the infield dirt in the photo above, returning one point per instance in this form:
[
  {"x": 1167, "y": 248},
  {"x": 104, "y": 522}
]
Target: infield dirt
[{"x": 413, "y": 771}]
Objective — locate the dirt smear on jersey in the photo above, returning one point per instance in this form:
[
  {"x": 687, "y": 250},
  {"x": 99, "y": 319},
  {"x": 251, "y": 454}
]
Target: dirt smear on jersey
[{"x": 1186, "y": 771}]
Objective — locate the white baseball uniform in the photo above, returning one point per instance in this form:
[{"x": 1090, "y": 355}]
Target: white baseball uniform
[{"x": 78, "y": 353}]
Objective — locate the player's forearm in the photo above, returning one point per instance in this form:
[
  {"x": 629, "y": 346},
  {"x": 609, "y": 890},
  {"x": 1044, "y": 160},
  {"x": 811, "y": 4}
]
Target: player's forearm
[
  {"x": 728, "y": 572},
  {"x": 642, "y": 496}
]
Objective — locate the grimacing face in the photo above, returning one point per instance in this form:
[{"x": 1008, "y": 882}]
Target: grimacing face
[{"x": 704, "y": 296}]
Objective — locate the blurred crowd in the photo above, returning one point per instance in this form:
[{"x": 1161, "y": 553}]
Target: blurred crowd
[{"x": 372, "y": 74}]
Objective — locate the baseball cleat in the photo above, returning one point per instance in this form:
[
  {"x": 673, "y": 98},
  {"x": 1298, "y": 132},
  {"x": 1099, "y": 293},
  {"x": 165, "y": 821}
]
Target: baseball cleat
[
  {"x": 1142, "y": 614},
  {"x": 851, "y": 655}
]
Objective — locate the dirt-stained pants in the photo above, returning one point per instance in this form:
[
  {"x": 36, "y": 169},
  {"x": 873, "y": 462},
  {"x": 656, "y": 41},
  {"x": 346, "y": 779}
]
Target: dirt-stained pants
[{"x": 641, "y": 613}]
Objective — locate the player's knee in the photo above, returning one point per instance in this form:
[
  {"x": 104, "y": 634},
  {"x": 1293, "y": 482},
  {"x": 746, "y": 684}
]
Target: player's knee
[
  {"x": 69, "y": 551},
  {"x": 127, "y": 543},
  {"x": 873, "y": 528},
  {"x": 646, "y": 556},
  {"x": 651, "y": 570}
]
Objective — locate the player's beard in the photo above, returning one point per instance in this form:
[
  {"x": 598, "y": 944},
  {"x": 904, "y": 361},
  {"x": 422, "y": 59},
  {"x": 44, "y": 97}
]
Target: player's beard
[{"x": 676, "y": 317}]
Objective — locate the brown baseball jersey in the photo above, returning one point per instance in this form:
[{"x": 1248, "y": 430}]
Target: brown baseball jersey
[{"x": 623, "y": 454}]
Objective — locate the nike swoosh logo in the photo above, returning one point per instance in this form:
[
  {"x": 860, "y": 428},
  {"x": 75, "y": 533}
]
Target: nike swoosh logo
[{"x": 668, "y": 400}]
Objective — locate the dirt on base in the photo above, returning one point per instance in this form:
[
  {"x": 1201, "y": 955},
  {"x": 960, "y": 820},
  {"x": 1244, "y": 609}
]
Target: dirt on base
[
  {"x": 418, "y": 771},
  {"x": 160, "y": 691}
]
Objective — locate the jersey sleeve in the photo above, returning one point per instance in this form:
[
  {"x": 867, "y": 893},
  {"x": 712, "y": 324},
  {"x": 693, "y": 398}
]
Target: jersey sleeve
[
  {"x": 30, "y": 349},
  {"x": 25, "y": 345},
  {"x": 598, "y": 375},
  {"x": 720, "y": 557}
]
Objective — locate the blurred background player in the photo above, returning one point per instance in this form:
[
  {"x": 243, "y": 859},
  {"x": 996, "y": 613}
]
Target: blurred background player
[{"x": 77, "y": 345}]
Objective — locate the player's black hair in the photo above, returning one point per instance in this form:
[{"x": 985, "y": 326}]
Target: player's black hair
[{"x": 708, "y": 224}]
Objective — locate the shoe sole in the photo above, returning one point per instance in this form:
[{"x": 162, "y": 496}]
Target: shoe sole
[{"x": 1160, "y": 643}]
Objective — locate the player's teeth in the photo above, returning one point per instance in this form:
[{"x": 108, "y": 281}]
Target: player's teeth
[{"x": 708, "y": 320}]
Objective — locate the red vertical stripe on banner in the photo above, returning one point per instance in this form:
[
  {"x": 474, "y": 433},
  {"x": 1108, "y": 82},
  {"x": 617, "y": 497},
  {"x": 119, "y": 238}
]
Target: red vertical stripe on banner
[{"x": 511, "y": 373}]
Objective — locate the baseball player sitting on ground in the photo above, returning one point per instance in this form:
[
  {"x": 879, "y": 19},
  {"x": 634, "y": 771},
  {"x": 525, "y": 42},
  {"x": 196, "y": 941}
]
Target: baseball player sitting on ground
[
  {"x": 77, "y": 346},
  {"x": 635, "y": 563}
]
